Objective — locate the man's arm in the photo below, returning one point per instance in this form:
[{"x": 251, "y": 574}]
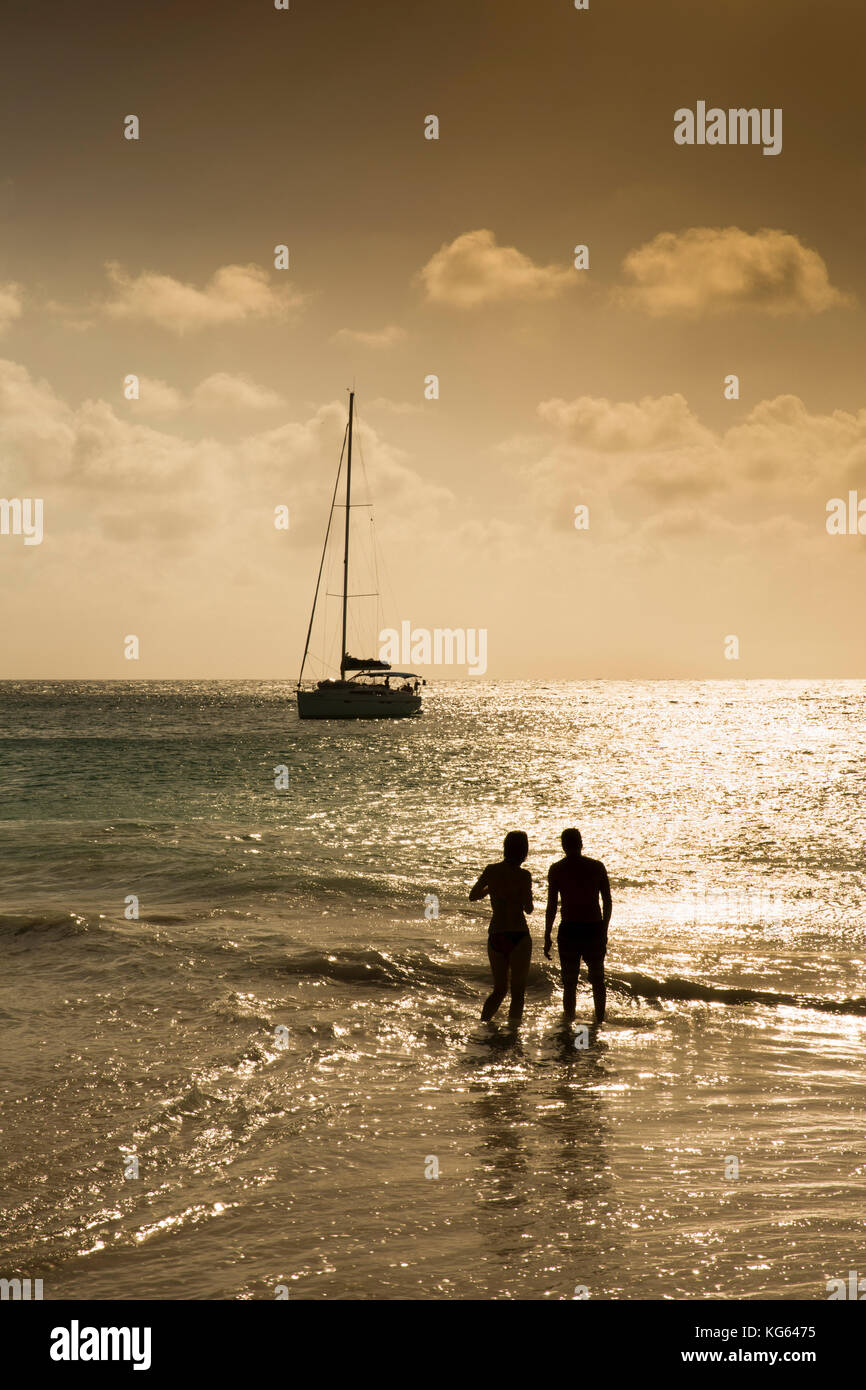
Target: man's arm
[
  {"x": 481, "y": 888},
  {"x": 606, "y": 901},
  {"x": 550, "y": 913}
]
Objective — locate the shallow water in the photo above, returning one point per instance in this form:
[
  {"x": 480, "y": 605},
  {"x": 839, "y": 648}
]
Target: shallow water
[{"x": 731, "y": 819}]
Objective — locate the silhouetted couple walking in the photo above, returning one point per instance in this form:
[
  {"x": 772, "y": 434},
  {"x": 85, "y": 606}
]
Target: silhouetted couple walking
[{"x": 577, "y": 885}]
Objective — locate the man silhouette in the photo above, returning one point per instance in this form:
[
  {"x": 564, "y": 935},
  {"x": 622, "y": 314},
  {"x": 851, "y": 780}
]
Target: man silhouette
[{"x": 578, "y": 883}]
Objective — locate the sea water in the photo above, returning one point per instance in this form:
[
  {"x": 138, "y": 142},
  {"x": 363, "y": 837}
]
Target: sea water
[{"x": 273, "y": 1079}]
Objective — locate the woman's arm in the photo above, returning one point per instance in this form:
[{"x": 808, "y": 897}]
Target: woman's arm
[
  {"x": 481, "y": 888},
  {"x": 528, "y": 904}
]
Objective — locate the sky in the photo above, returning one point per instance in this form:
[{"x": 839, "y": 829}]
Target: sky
[{"x": 588, "y": 487}]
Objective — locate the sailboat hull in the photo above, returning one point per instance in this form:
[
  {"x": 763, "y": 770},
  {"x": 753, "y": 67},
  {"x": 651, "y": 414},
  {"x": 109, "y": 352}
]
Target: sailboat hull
[{"x": 357, "y": 702}]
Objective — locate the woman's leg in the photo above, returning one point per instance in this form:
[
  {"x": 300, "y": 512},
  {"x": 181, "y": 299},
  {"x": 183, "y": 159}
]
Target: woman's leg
[
  {"x": 499, "y": 966},
  {"x": 519, "y": 962}
]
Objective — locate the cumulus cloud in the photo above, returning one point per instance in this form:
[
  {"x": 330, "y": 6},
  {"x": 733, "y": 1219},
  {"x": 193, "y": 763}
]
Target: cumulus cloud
[
  {"x": 717, "y": 270},
  {"x": 174, "y": 538},
  {"x": 781, "y": 445},
  {"x": 393, "y": 407},
  {"x": 233, "y": 293},
  {"x": 649, "y": 465},
  {"x": 311, "y": 448},
  {"x": 10, "y": 304},
  {"x": 377, "y": 338},
  {"x": 103, "y": 456},
  {"x": 222, "y": 391},
  {"x": 156, "y": 397},
  {"x": 473, "y": 270},
  {"x": 651, "y": 423},
  {"x": 35, "y": 427}
]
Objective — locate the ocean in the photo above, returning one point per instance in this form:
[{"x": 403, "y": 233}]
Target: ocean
[{"x": 272, "y": 1081}]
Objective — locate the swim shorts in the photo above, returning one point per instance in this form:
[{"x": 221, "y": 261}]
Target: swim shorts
[{"x": 586, "y": 940}]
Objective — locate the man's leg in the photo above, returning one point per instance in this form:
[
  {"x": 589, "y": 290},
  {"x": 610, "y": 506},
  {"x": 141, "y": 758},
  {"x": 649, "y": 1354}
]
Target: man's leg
[
  {"x": 569, "y": 991},
  {"x": 519, "y": 960},
  {"x": 499, "y": 966},
  {"x": 569, "y": 964},
  {"x": 595, "y": 970}
]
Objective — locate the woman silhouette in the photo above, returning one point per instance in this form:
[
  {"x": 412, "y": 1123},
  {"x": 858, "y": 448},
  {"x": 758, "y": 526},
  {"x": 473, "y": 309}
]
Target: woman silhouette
[{"x": 509, "y": 945}]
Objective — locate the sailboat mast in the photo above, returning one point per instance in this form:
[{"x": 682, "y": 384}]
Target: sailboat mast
[{"x": 346, "y": 546}]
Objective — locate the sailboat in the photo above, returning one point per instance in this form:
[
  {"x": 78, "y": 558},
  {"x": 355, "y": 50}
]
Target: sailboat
[{"x": 364, "y": 689}]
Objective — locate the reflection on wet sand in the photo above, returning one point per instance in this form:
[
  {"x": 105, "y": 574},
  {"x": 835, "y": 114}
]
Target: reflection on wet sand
[{"x": 517, "y": 1106}]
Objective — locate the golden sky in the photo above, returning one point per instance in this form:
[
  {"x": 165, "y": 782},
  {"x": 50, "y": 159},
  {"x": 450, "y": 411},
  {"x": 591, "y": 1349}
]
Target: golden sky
[{"x": 559, "y": 387}]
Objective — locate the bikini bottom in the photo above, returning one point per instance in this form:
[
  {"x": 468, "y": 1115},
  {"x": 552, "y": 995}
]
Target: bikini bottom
[{"x": 505, "y": 941}]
